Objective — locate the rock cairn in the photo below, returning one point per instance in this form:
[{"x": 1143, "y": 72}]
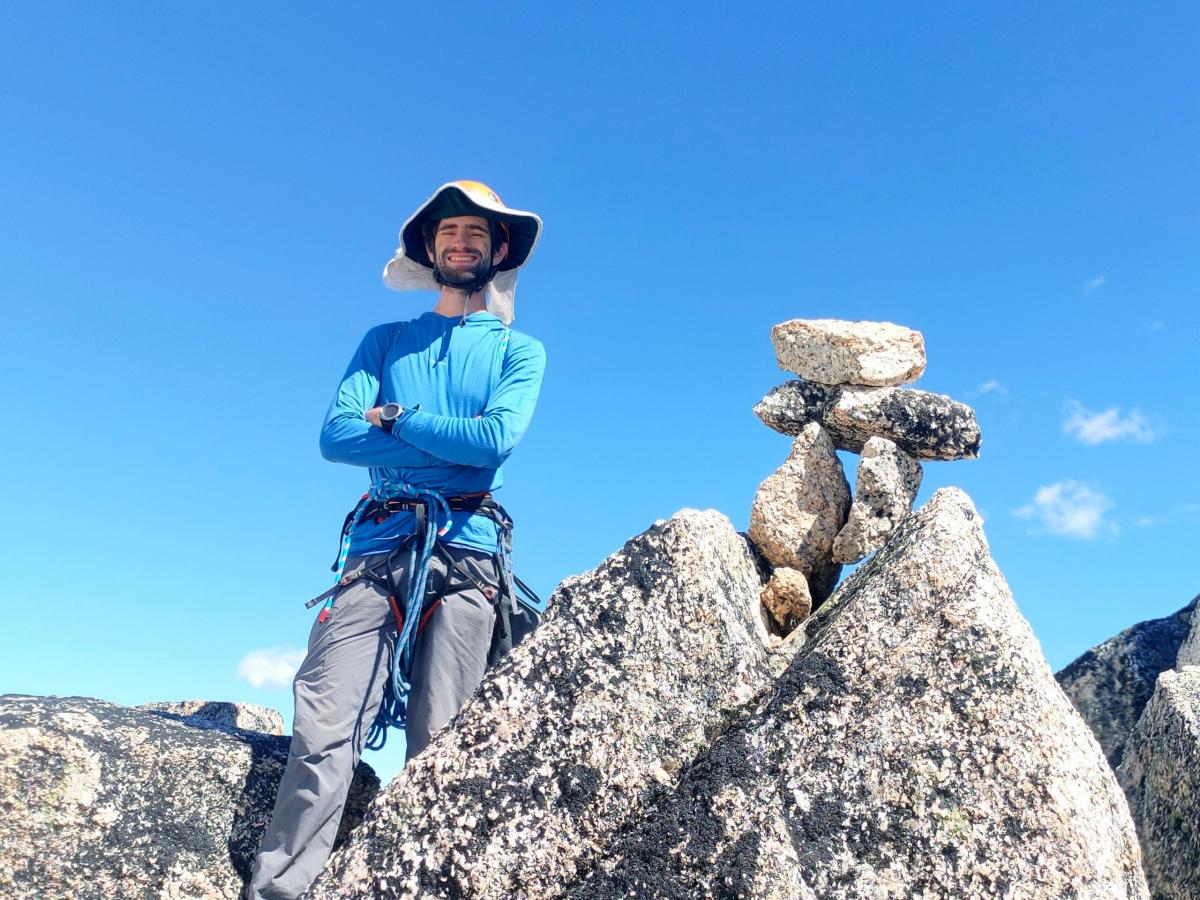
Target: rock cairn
[{"x": 804, "y": 521}]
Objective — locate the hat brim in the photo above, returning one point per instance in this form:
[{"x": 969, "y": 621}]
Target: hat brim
[{"x": 524, "y": 228}]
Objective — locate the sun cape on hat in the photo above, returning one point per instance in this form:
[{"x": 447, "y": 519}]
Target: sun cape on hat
[{"x": 412, "y": 270}]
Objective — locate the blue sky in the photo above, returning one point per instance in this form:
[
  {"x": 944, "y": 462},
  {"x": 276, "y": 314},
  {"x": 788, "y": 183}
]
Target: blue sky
[{"x": 196, "y": 203}]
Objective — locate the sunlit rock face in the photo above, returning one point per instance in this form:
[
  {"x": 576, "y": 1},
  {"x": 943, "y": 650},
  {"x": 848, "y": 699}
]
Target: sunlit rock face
[
  {"x": 99, "y": 801},
  {"x": 637, "y": 666},
  {"x": 1161, "y": 776},
  {"x": 1111, "y": 684},
  {"x": 917, "y": 745}
]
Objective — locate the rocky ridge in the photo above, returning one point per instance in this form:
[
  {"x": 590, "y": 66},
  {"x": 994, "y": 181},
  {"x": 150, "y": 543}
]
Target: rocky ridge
[
  {"x": 912, "y": 742},
  {"x": 1111, "y": 684},
  {"x": 916, "y": 746},
  {"x": 1140, "y": 693},
  {"x": 1161, "y": 778}
]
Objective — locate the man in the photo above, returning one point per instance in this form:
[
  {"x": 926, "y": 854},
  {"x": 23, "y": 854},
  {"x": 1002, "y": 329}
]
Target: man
[{"x": 432, "y": 407}]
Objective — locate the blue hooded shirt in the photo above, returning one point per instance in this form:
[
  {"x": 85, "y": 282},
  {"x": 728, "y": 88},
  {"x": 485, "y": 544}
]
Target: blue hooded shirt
[{"x": 468, "y": 390}]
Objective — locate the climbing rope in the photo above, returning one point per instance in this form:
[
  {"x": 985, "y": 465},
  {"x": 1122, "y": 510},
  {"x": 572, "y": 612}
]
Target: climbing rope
[{"x": 393, "y": 711}]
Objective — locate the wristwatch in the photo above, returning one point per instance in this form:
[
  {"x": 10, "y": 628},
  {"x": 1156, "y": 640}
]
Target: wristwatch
[{"x": 389, "y": 414}]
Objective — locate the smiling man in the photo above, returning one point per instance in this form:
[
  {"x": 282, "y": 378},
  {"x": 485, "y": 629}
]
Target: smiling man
[{"x": 424, "y": 598}]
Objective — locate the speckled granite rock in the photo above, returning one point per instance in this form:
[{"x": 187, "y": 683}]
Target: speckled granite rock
[
  {"x": 917, "y": 746},
  {"x": 1112, "y": 682},
  {"x": 832, "y": 351},
  {"x": 1161, "y": 776},
  {"x": 1189, "y": 650},
  {"x": 635, "y": 668},
  {"x": 884, "y": 489},
  {"x": 246, "y": 716},
  {"x": 924, "y": 425},
  {"x": 788, "y": 407},
  {"x": 928, "y": 426},
  {"x": 99, "y": 801},
  {"x": 801, "y": 507},
  {"x": 787, "y": 598}
]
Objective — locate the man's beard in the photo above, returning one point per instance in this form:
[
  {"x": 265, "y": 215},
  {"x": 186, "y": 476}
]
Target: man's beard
[{"x": 455, "y": 277}]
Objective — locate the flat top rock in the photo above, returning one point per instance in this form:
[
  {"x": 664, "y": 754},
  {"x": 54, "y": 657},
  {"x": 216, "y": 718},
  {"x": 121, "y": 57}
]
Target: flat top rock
[{"x": 833, "y": 351}]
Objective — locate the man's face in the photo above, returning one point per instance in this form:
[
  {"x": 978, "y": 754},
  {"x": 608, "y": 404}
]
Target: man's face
[{"x": 462, "y": 249}]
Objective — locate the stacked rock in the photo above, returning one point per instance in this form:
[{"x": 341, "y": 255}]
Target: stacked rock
[{"x": 848, "y": 397}]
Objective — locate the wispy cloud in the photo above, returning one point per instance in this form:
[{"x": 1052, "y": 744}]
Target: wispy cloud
[
  {"x": 1179, "y": 511},
  {"x": 1095, "y": 284},
  {"x": 1156, "y": 325},
  {"x": 271, "y": 667},
  {"x": 992, "y": 386},
  {"x": 1095, "y": 428},
  {"x": 1070, "y": 509}
]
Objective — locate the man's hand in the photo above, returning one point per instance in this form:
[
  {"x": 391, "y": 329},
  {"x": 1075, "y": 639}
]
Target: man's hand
[{"x": 372, "y": 416}]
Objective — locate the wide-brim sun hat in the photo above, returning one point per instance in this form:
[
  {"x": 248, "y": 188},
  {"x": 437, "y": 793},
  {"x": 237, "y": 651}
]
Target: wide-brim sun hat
[{"x": 411, "y": 268}]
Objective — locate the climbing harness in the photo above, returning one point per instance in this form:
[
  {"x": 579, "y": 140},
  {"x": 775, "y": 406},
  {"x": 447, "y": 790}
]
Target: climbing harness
[{"x": 411, "y": 611}]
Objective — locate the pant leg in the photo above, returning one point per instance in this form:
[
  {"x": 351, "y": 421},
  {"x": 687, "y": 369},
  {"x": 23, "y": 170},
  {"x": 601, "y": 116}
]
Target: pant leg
[
  {"x": 338, "y": 691},
  {"x": 451, "y": 652}
]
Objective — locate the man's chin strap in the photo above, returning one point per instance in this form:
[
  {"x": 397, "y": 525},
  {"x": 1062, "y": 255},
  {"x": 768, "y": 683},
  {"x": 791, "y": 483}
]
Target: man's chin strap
[{"x": 475, "y": 286}]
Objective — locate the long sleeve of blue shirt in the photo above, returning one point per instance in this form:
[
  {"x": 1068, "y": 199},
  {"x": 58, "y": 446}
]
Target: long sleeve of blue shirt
[
  {"x": 485, "y": 440},
  {"x": 347, "y": 437}
]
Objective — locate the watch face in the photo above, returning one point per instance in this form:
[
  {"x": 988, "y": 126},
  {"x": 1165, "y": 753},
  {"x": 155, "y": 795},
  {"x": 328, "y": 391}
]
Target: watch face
[{"x": 390, "y": 411}]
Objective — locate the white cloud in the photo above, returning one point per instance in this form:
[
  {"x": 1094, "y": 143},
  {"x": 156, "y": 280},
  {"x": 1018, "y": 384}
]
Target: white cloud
[
  {"x": 1156, "y": 325},
  {"x": 992, "y": 386},
  {"x": 1096, "y": 428},
  {"x": 272, "y": 667},
  {"x": 1094, "y": 285},
  {"x": 1070, "y": 509}
]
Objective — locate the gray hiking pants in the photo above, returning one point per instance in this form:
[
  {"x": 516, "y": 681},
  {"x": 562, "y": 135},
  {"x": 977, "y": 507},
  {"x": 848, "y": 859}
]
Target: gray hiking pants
[{"x": 338, "y": 691}]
